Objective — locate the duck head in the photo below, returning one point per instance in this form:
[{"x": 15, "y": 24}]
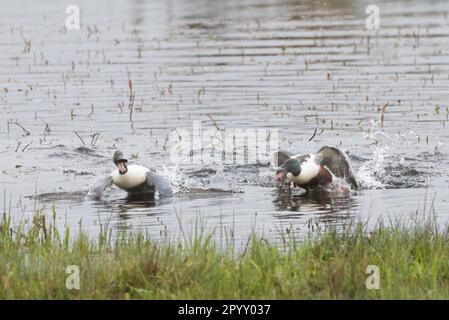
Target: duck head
[
  {"x": 292, "y": 166},
  {"x": 120, "y": 162}
]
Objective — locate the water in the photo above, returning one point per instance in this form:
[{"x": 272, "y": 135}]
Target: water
[{"x": 288, "y": 66}]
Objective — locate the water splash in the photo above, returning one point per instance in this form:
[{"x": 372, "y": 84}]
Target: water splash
[
  {"x": 175, "y": 177},
  {"x": 219, "y": 182},
  {"x": 370, "y": 172},
  {"x": 391, "y": 165},
  {"x": 205, "y": 179}
]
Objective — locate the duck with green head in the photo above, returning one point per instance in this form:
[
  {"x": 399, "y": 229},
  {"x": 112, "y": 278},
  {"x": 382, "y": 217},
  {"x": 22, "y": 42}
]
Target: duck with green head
[{"x": 314, "y": 170}]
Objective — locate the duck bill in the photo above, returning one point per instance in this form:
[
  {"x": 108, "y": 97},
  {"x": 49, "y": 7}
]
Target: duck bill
[
  {"x": 281, "y": 174},
  {"x": 121, "y": 165}
]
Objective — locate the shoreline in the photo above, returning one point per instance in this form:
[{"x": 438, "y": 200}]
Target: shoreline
[{"x": 391, "y": 261}]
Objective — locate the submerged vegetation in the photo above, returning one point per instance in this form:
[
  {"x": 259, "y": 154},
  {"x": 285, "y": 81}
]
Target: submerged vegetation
[{"x": 412, "y": 259}]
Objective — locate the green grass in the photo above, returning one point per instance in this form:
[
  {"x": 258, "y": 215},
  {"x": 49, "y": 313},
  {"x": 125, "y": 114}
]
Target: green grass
[{"x": 413, "y": 261}]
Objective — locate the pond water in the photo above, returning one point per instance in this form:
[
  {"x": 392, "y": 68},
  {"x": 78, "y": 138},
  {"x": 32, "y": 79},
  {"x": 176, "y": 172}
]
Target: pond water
[{"x": 310, "y": 74}]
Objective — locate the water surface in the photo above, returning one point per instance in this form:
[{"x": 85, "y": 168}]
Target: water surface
[{"x": 289, "y": 66}]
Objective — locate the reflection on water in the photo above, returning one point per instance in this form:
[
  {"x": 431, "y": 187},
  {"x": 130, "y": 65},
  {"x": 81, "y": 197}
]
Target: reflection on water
[
  {"x": 321, "y": 200},
  {"x": 296, "y": 67}
]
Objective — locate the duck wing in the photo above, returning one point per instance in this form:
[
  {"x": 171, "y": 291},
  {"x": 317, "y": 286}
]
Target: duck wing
[
  {"x": 280, "y": 156},
  {"x": 98, "y": 187},
  {"x": 337, "y": 163},
  {"x": 160, "y": 183}
]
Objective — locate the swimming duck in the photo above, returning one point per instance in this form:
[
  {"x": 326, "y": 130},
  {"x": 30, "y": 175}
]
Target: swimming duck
[
  {"x": 134, "y": 179},
  {"x": 314, "y": 170}
]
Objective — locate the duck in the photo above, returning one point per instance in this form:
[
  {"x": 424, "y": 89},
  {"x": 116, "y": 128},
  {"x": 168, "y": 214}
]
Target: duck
[
  {"x": 134, "y": 179},
  {"x": 314, "y": 171}
]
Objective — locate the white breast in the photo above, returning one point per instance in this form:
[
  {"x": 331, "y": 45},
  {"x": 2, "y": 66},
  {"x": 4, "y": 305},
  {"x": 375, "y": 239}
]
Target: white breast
[
  {"x": 136, "y": 175},
  {"x": 309, "y": 170}
]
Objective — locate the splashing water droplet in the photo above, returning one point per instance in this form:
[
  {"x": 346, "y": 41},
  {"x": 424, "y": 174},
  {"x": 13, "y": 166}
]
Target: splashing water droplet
[
  {"x": 218, "y": 181},
  {"x": 370, "y": 171}
]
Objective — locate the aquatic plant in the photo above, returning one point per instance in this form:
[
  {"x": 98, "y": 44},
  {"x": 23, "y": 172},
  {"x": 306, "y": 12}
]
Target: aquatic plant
[{"x": 36, "y": 261}]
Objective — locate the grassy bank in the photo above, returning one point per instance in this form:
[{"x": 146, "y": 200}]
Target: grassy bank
[{"x": 413, "y": 263}]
